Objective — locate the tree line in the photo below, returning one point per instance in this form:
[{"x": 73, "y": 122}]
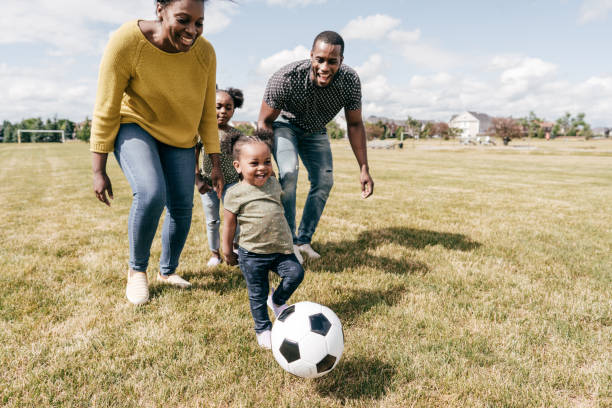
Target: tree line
[{"x": 72, "y": 130}]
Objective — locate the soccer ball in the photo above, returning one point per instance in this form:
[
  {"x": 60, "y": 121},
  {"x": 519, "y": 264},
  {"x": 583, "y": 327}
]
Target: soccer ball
[{"x": 307, "y": 339}]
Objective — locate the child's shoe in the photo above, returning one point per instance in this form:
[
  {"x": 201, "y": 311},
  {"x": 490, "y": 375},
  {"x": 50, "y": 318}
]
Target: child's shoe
[
  {"x": 307, "y": 249},
  {"x": 296, "y": 252},
  {"x": 264, "y": 339},
  {"x": 275, "y": 308},
  {"x": 213, "y": 261}
]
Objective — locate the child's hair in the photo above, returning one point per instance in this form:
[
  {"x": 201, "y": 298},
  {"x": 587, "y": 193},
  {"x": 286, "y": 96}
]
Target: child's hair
[
  {"x": 236, "y": 95},
  {"x": 237, "y": 140}
]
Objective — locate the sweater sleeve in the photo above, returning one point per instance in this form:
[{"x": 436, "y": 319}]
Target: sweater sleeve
[
  {"x": 113, "y": 78},
  {"x": 208, "y": 130}
]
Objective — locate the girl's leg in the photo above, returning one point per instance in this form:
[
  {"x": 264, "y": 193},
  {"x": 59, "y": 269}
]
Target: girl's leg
[
  {"x": 138, "y": 156},
  {"x": 210, "y": 203},
  {"x": 178, "y": 165},
  {"x": 291, "y": 273},
  {"x": 255, "y": 269}
]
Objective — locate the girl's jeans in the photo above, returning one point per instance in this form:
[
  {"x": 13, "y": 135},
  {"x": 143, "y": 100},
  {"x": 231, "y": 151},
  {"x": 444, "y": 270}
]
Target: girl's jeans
[
  {"x": 160, "y": 176},
  {"x": 255, "y": 269},
  {"x": 315, "y": 152},
  {"x": 210, "y": 203}
]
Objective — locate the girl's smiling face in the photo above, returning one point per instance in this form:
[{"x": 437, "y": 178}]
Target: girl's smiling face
[{"x": 254, "y": 163}]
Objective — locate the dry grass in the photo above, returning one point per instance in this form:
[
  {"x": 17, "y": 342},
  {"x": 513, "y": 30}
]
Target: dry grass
[{"x": 475, "y": 276}]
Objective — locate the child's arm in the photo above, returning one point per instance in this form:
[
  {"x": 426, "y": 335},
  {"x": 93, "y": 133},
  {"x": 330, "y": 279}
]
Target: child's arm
[
  {"x": 229, "y": 229},
  {"x": 200, "y": 183}
]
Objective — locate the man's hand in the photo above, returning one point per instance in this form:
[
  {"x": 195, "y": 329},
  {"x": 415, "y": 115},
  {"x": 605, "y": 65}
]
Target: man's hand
[
  {"x": 201, "y": 184},
  {"x": 102, "y": 185},
  {"x": 367, "y": 184}
]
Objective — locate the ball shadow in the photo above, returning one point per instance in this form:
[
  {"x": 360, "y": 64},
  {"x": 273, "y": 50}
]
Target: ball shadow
[{"x": 355, "y": 379}]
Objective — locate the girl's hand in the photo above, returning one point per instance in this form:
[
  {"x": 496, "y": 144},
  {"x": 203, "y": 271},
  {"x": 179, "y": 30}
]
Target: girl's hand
[
  {"x": 231, "y": 258},
  {"x": 201, "y": 184},
  {"x": 102, "y": 185}
]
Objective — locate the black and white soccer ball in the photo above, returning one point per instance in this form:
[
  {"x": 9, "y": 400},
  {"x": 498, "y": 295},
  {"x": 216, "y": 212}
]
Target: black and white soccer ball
[{"x": 307, "y": 339}]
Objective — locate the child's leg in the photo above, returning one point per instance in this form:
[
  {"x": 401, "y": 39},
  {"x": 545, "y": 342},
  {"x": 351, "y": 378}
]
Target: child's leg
[
  {"x": 291, "y": 273},
  {"x": 255, "y": 269},
  {"x": 210, "y": 203}
]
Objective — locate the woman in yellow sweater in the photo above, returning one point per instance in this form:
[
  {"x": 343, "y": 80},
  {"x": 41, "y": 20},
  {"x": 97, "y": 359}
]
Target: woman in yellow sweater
[{"x": 156, "y": 94}]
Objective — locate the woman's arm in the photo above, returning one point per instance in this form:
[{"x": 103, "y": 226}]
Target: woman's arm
[{"x": 101, "y": 182}]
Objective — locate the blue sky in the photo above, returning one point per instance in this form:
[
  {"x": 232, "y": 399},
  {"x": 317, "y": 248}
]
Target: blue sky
[{"x": 424, "y": 59}]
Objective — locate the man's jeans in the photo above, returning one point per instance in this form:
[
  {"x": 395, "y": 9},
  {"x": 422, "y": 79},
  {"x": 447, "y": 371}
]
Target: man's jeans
[
  {"x": 160, "y": 175},
  {"x": 255, "y": 269},
  {"x": 211, "y": 205},
  {"x": 315, "y": 151}
]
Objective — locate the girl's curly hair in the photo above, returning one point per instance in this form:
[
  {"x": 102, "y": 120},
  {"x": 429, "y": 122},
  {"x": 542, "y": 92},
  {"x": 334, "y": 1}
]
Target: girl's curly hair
[
  {"x": 236, "y": 95},
  {"x": 237, "y": 140}
]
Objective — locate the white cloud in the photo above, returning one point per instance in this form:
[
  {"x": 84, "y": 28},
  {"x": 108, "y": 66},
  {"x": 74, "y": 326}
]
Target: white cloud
[
  {"x": 420, "y": 53},
  {"x": 369, "y": 28},
  {"x": 371, "y": 67},
  {"x": 592, "y": 10},
  {"x": 294, "y": 3},
  {"x": 268, "y": 66},
  {"x": 72, "y": 27},
  {"x": 400, "y": 36}
]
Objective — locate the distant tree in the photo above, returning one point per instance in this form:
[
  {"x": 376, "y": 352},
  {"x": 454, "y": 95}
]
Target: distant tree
[
  {"x": 506, "y": 129},
  {"x": 246, "y": 128},
  {"x": 562, "y": 125},
  {"x": 334, "y": 131},
  {"x": 569, "y": 125},
  {"x": 373, "y": 130},
  {"x": 427, "y": 130},
  {"x": 532, "y": 125},
  {"x": 84, "y": 131},
  {"x": 413, "y": 127}
]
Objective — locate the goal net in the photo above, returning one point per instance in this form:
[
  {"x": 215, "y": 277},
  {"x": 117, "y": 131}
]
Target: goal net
[{"x": 41, "y": 135}]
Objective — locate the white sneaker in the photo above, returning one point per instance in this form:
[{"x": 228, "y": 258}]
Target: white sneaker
[
  {"x": 264, "y": 339},
  {"x": 174, "y": 280},
  {"x": 307, "y": 249},
  {"x": 296, "y": 252},
  {"x": 213, "y": 261},
  {"x": 137, "y": 288},
  {"x": 275, "y": 308}
]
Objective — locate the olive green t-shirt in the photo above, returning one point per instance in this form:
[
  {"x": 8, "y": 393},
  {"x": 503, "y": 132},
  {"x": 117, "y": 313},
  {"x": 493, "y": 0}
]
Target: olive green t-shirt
[{"x": 263, "y": 227}]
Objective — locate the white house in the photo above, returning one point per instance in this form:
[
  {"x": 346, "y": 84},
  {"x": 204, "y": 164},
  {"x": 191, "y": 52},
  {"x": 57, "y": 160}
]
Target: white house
[{"x": 471, "y": 123}]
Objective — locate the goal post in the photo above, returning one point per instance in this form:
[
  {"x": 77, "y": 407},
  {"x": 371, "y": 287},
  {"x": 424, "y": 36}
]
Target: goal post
[{"x": 20, "y": 131}]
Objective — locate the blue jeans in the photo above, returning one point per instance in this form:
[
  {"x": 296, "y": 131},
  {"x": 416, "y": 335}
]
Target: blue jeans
[
  {"x": 211, "y": 205},
  {"x": 315, "y": 151},
  {"x": 160, "y": 176},
  {"x": 255, "y": 269}
]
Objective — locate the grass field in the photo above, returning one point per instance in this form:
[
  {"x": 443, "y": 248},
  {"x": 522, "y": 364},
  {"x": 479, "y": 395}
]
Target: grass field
[{"x": 474, "y": 277}]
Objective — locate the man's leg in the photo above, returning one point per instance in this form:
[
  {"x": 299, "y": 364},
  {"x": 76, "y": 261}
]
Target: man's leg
[
  {"x": 286, "y": 156},
  {"x": 315, "y": 152}
]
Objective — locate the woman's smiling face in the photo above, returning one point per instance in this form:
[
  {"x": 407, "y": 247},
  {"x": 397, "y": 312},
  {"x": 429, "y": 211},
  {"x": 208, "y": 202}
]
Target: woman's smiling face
[{"x": 182, "y": 23}]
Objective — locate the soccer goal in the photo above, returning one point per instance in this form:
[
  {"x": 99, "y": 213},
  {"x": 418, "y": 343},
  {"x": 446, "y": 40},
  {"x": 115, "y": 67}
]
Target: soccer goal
[{"x": 20, "y": 131}]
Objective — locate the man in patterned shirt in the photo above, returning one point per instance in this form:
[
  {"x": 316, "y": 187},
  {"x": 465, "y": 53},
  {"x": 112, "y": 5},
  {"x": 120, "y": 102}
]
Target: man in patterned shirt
[{"x": 300, "y": 100}]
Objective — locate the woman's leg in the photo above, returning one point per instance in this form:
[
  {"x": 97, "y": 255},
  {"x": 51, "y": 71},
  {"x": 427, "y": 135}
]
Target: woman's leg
[
  {"x": 178, "y": 165},
  {"x": 138, "y": 156}
]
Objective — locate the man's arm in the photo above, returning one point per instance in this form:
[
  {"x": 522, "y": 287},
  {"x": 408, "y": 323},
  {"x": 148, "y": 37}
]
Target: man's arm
[
  {"x": 267, "y": 116},
  {"x": 357, "y": 138}
]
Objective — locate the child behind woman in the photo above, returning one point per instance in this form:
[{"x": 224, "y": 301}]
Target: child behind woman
[
  {"x": 227, "y": 101},
  {"x": 265, "y": 241}
]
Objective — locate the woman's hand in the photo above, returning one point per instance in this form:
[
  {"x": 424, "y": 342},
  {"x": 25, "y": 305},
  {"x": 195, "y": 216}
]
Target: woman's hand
[
  {"x": 101, "y": 183},
  {"x": 216, "y": 174}
]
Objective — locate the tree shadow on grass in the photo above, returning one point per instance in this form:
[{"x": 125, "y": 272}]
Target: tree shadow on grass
[
  {"x": 339, "y": 256},
  {"x": 356, "y": 379},
  {"x": 360, "y": 301}
]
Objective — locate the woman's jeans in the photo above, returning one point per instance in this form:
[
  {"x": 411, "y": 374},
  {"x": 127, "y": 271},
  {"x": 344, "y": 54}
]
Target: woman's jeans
[
  {"x": 160, "y": 175},
  {"x": 315, "y": 151},
  {"x": 255, "y": 269},
  {"x": 211, "y": 205}
]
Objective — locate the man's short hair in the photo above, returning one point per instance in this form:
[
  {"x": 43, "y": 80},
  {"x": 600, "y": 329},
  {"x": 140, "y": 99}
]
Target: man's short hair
[{"x": 331, "y": 38}]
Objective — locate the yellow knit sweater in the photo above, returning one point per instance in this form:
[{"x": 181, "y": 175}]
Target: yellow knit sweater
[{"x": 171, "y": 96}]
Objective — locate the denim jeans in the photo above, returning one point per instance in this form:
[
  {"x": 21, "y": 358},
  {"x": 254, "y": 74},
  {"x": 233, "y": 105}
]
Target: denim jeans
[
  {"x": 160, "y": 176},
  {"x": 315, "y": 151},
  {"x": 255, "y": 269},
  {"x": 211, "y": 205}
]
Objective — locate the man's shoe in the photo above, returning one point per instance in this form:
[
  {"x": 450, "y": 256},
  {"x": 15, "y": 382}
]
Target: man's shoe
[
  {"x": 310, "y": 253},
  {"x": 174, "y": 280},
  {"x": 296, "y": 252}
]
